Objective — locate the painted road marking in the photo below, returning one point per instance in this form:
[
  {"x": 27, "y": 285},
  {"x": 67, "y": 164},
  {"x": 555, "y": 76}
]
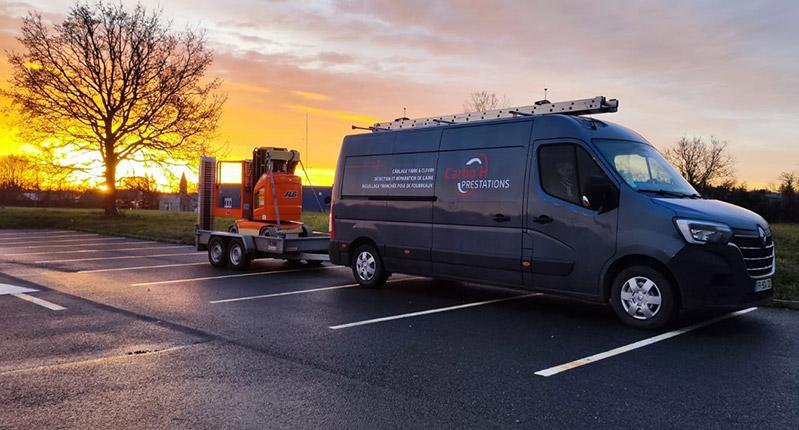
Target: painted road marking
[
  {"x": 48, "y": 236},
  {"x": 431, "y": 311},
  {"x": 28, "y": 242},
  {"x": 22, "y": 293},
  {"x": 121, "y": 269},
  {"x": 13, "y": 289},
  {"x": 142, "y": 242},
  {"x": 36, "y": 233},
  {"x": 103, "y": 250},
  {"x": 49, "y": 305},
  {"x": 635, "y": 345},
  {"x": 45, "y": 238},
  {"x": 289, "y": 293},
  {"x": 286, "y": 293},
  {"x": 122, "y": 257},
  {"x": 237, "y": 275}
]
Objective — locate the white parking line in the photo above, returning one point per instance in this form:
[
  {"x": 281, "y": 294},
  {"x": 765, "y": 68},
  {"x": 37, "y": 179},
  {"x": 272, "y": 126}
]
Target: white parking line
[
  {"x": 45, "y": 238},
  {"x": 81, "y": 251},
  {"x": 635, "y": 345},
  {"x": 123, "y": 257},
  {"x": 431, "y": 311},
  {"x": 289, "y": 293},
  {"x": 37, "y": 233},
  {"x": 286, "y": 293},
  {"x": 237, "y": 275},
  {"x": 122, "y": 269},
  {"x": 22, "y": 293},
  {"x": 49, "y": 305},
  {"x": 28, "y": 242},
  {"x": 141, "y": 242}
]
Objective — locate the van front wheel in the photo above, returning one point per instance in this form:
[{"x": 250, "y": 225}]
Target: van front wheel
[
  {"x": 367, "y": 267},
  {"x": 642, "y": 297}
]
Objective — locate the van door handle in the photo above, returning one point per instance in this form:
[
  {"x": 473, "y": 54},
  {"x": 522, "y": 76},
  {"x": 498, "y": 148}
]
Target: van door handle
[
  {"x": 543, "y": 219},
  {"x": 501, "y": 218}
]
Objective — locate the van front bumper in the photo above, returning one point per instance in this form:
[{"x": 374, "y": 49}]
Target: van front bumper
[{"x": 715, "y": 276}]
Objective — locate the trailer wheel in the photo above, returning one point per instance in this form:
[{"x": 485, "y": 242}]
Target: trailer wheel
[
  {"x": 237, "y": 256},
  {"x": 216, "y": 252},
  {"x": 367, "y": 267},
  {"x": 642, "y": 297}
]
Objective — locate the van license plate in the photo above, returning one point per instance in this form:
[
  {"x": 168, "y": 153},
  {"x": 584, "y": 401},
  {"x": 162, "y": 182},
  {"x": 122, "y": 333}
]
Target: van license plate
[{"x": 763, "y": 285}]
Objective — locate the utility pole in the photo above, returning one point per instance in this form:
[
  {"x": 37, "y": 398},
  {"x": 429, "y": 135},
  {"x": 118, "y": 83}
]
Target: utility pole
[{"x": 307, "y": 151}]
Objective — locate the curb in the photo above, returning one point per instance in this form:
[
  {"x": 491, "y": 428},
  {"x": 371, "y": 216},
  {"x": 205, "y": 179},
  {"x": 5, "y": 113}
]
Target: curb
[{"x": 786, "y": 304}]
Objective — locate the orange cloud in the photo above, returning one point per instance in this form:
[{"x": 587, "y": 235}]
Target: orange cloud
[
  {"x": 243, "y": 87},
  {"x": 311, "y": 95},
  {"x": 357, "y": 118}
]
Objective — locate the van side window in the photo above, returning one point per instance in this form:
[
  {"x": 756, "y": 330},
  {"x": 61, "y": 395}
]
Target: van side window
[
  {"x": 558, "y": 169},
  {"x": 569, "y": 173},
  {"x": 594, "y": 184}
]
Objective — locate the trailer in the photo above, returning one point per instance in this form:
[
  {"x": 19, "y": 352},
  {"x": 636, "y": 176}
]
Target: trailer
[{"x": 268, "y": 187}]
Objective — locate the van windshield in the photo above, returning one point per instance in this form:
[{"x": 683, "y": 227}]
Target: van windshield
[{"x": 644, "y": 169}]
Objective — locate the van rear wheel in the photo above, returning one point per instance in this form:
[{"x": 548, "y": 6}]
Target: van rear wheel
[
  {"x": 643, "y": 297},
  {"x": 367, "y": 267}
]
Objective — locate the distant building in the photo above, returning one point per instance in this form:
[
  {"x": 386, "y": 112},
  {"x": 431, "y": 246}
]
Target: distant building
[{"x": 177, "y": 202}]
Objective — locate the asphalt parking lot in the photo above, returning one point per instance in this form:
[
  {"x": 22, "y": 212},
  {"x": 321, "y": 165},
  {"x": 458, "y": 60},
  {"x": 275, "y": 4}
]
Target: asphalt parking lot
[{"x": 102, "y": 331}]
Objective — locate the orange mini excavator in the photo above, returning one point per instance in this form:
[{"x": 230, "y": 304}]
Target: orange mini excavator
[{"x": 263, "y": 194}]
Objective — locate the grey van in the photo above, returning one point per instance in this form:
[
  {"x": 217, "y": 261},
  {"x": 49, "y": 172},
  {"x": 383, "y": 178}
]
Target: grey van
[{"x": 557, "y": 203}]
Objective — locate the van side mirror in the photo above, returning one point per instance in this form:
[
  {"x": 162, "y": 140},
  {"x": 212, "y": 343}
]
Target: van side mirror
[{"x": 601, "y": 195}]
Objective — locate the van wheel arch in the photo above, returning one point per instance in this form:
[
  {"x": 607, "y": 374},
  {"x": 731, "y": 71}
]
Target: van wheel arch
[
  {"x": 637, "y": 260},
  {"x": 361, "y": 241}
]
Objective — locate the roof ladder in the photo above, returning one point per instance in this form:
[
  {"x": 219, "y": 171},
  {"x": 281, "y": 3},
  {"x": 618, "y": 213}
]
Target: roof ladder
[{"x": 595, "y": 105}]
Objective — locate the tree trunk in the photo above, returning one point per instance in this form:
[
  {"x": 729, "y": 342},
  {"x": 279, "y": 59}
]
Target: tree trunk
[{"x": 111, "y": 189}]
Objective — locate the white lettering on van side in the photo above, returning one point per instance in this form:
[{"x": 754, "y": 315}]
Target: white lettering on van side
[{"x": 417, "y": 178}]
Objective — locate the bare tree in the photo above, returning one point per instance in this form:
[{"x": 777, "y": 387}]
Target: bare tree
[
  {"x": 483, "y": 100},
  {"x": 15, "y": 172},
  {"x": 115, "y": 82},
  {"x": 789, "y": 181},
  {"x": 700, "y": 163},
  {"x": 789, "y": 204}
]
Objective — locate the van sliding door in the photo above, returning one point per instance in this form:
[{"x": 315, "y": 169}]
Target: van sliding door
[{"x": 477, "y": 215}]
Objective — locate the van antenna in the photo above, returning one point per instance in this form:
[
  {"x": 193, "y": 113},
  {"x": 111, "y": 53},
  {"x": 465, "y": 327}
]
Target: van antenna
[{"x": 544, "y": 101}]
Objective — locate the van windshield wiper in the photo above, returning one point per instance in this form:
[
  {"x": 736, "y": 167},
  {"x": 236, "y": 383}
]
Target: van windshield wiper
[{"x": 662, "y": 192}]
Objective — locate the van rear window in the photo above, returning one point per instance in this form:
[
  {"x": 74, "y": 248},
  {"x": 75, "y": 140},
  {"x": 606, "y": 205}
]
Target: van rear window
[{"x": 393, "y": 175}]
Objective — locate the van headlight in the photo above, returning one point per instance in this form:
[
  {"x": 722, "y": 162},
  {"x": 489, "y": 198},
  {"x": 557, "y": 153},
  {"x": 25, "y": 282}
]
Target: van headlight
[{"x": 702, "y": 232}]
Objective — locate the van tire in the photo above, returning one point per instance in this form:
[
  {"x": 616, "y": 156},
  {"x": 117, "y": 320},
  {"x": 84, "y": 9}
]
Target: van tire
[
  {"x": 237, "y": 255},
  {"x": 217, "y": 254},
  {"x": 643, "y": 297},
  {"x": 367, "y": 267}
]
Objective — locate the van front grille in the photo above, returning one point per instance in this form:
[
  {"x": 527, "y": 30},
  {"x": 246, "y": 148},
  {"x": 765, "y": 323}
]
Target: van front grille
[{"x": 758, "y": 254}]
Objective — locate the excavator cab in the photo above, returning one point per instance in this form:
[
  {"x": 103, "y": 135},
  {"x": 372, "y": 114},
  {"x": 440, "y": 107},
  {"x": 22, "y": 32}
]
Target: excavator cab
[
  {"x": 277, "y": 196},
  {"x": 264, "y": 193}
]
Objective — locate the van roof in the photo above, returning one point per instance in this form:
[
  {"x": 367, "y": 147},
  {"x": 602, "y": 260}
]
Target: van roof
[{"x": 550, "y": 126}]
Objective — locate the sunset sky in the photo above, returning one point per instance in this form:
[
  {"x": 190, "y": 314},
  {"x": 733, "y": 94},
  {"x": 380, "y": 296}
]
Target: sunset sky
[{"x": 678, "y": 68}]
